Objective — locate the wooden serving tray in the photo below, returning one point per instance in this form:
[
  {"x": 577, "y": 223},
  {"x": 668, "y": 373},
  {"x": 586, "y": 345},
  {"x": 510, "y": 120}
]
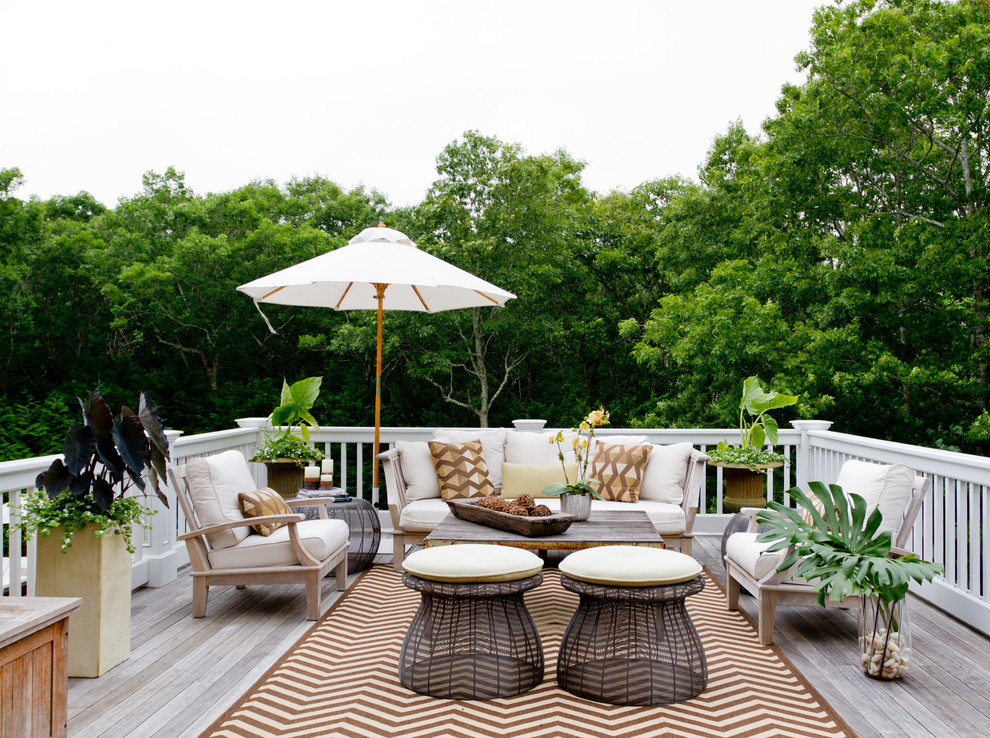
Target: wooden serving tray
[{"x": 549, "y": 525}]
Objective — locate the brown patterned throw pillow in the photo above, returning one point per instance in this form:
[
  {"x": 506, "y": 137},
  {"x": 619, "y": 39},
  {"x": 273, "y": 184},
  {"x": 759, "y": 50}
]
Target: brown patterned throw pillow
[
  {"x": 620, "y": 470},
  {"x": 461, "y": 469},
  {"x": 264, "y": 501}
]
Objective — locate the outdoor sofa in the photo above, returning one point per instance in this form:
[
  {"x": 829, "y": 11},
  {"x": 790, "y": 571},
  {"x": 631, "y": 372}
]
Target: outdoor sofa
[{"x": 520, "y": 461}]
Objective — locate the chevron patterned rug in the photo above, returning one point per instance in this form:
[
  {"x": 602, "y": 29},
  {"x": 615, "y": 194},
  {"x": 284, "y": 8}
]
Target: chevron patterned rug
[{"x": 340, "y": 679}]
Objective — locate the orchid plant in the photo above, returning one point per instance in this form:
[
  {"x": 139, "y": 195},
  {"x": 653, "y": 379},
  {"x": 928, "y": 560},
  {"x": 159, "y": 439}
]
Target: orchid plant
[{"x": 581, "y": 443}]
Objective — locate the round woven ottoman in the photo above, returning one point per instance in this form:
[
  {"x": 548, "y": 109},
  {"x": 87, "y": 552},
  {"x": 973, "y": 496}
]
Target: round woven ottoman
[
  {"x": 472, "y": 637},
  {"x": 631, "y": 640}
]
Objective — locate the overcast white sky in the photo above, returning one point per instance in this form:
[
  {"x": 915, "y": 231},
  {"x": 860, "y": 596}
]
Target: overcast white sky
[{"x": 96, "y": 93}]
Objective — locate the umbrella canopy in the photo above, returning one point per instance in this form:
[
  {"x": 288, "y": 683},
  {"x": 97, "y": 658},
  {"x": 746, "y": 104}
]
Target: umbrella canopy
[
  {"x": 345, "y": 279},
  {"x": 379, "y": 269}
]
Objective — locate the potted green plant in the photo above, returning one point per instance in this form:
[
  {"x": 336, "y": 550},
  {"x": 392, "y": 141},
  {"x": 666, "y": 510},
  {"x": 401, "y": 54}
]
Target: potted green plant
[
  {"x": 82, "y": 499},
  {"x": 837, "y": 549},
  {"x": 575, "y": 497},
  {"x": 285, "y": 454},
  {"x": 745, "y": 463}
]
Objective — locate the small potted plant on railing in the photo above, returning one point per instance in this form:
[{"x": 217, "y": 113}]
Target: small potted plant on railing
[
  {"x": 575, "y": 497},
  {"x": 82, "y": 499},
  {"x": 838, "y": 551},
  {"x": 285, "y": 454},
  {"x": 746, "y": 462}
]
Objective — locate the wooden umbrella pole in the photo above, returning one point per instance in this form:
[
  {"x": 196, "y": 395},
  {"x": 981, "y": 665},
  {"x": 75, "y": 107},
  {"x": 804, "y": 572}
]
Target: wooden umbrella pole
[{"x": 380, "y": 290}]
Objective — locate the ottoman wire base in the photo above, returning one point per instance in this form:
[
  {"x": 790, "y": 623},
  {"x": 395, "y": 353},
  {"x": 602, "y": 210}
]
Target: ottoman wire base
[
  {"x": 471, "y": 641},
  {"x": 632, "y": 645}
]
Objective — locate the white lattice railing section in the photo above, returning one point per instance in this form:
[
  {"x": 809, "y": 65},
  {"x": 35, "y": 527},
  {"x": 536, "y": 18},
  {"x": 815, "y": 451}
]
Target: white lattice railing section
[{"x": 949, "y": 529}]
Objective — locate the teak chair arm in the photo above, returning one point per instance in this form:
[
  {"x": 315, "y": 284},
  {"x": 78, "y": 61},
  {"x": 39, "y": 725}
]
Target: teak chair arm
[{"x": 291, "y": 519}]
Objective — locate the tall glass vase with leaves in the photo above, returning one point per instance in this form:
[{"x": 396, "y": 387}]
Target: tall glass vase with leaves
[{"x": 575, "y": 497}]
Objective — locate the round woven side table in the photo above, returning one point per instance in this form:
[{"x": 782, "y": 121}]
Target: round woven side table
[
  {"x": 629, "y": 644},
  {"x": 471, "y": 640}
]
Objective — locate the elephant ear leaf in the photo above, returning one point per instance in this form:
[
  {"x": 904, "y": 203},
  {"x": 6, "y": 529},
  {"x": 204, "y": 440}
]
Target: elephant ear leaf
[
  {"x": 99, "y": 417},
  {"x": 153, "y": 427},
  {"x": 102, "y": 494},
  {"x": 128, "y": 435},
  {"x": 78, "y": 449},
  {"x": 56, "y": 480}
]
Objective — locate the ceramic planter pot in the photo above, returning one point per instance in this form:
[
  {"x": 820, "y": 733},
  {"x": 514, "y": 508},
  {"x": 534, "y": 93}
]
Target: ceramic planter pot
[
  {"x": 285, "y": 477},
  {"x": 99, "y": 571},
  {"x": 577, "y": 505}
]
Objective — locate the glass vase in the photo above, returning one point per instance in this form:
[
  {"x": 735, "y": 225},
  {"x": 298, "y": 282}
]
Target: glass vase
[{"x": 884, "y": 637}]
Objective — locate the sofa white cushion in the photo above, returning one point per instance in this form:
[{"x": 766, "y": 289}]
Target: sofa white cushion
[
  {"x": 536, "y": 448},
  {"x": 492, "y": 447},
  {"x": 751, "y": 555},
  {"x": 473, "y": 562},
  {"x": 214, "y": 483},
  {"x": 532, "y": 478},
  {"x": 418, "y": 471},
  {"x": 630, "y": 566},
  {"x": 666, "y": 470},
  {"x": 885, "y": 486},
  {"x": 320, "y": 538},
  {"x": 618, "y": 441},
  {"x": 423, "y": 515}
]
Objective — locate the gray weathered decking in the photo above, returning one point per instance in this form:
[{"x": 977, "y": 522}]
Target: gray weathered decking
[{"x": 183, "y": 672}]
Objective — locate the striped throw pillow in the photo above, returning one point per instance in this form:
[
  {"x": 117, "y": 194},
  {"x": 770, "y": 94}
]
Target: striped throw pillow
[
  {"x": 265, "y": 501},
  {"x": 461, "y": 469}
]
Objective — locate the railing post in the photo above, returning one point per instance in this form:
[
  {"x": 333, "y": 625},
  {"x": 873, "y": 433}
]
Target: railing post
[
  {"x": 160, "y": 552},
  {"x": 804, "y": 459}
]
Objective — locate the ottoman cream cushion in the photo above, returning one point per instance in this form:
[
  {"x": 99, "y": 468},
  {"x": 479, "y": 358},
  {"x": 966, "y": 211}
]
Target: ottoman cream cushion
[
  {"x": 630, "y": 566},
  {"x": 473, "y": 562}
]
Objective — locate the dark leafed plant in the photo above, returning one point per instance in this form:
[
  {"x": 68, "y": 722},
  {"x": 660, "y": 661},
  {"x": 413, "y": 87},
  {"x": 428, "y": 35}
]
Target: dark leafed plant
[{"x": 102, "y": 459}]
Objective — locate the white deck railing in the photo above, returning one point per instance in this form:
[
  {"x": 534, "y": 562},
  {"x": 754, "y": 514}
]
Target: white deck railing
[{"x": 950, "y": 529}]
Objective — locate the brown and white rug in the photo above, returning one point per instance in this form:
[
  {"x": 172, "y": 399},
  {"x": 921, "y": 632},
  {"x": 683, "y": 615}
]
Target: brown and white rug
[{"x": 340, "y": 679}]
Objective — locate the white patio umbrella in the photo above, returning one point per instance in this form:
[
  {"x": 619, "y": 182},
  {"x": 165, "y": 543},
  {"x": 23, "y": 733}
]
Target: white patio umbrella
[{"x": 379, "y": 269}]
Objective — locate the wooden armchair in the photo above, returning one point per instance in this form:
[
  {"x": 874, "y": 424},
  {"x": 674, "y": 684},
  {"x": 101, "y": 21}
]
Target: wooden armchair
[
  {"x": 223, "y": 550},
  {"x": 895, "y": 489}
]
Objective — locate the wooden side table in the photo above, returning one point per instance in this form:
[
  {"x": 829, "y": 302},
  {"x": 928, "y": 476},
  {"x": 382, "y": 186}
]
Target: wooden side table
[{"x": 33, "y": 655}]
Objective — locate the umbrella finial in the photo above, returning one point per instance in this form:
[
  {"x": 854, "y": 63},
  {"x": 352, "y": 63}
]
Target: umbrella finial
[{"x": 381, "y": 224}]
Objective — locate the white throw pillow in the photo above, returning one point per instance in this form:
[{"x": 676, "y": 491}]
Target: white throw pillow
[
  {"x": 536, "y": 448},
  {"x": 418, "y": 471},
  {"x": 618, "y": 441},
  {"x": 886, "y": 486},
  {"x": 214, "y": 483},
  {"x": 665, "y": 472},
  {"x": 492, "y": 447}
]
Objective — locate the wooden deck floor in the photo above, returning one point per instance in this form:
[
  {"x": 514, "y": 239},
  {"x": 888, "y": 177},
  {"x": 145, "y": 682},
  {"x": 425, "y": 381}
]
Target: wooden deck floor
[{"x": 183, "y": 673}]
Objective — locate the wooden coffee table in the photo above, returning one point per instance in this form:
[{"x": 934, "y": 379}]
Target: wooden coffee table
[{"x": 603, "y": 528}]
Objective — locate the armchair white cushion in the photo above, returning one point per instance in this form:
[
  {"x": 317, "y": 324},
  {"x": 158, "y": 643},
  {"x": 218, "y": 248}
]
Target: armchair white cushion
[
  {"x": 320, "y": 538},
  {"x": 214, "y": 482},
  {"x": 884, "y": 486}
]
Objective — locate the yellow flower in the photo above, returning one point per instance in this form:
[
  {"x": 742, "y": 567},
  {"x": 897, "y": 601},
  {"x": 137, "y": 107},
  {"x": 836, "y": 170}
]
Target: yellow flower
[{"x": 585, "y": 426}]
